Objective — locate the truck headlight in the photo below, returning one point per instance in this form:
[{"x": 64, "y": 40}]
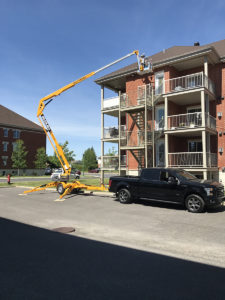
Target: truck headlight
[{"x": 209, "y": 191}]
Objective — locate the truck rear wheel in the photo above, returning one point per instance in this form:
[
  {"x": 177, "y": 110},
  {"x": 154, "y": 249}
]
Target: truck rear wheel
[
  {"x": 124, "y": 196},
  {"x": 194, "y": 203},
  {"x": 60, "y": 189}
]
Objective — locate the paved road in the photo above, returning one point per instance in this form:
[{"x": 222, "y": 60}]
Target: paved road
[
  {"x": 89, "y": 264},
  {"x": 161, "y": 228}
]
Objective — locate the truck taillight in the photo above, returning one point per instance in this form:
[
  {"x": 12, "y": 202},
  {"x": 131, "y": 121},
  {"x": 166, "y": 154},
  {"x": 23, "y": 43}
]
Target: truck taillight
[{"x": 110, "y": 182}]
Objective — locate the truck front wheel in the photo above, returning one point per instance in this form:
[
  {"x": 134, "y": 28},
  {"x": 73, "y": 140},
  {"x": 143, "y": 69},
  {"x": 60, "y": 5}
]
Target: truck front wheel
[
  {"x": 194, "y": 203},
  {"x": 124, "y": 196}
]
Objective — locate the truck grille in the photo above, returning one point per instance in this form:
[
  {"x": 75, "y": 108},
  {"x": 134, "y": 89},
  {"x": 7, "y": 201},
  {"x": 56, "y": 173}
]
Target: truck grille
[{"x": 220, "y": 192}]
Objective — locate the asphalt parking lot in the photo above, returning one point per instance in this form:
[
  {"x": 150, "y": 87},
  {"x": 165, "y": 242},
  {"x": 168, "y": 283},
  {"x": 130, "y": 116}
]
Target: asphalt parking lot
[
  {"x": 138, "y": 251},
  {"x": 160, "y": 228}
]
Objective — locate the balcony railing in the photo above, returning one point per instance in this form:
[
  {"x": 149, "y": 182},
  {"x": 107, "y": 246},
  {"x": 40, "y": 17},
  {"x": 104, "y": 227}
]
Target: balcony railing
[
  {"x": 111, "y": 103},
  {"x": 188, "y": 82},
  {"x": 191, "y": 159},
  {"x": 135, "y": 138},
  {"x": 210, "y": 121},
  {"x": 111, "y": 133},
  {"x": 137, "y": 97},
  {"x": 190, "y": 120},
  {"x": 112, "y": 162},
  {"x": 123, "y": 161}
]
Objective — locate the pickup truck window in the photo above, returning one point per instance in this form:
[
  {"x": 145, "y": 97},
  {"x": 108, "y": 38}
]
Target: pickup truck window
[
  {"x": 164, "y": 175},
  {"x": 150, "y": 174}
]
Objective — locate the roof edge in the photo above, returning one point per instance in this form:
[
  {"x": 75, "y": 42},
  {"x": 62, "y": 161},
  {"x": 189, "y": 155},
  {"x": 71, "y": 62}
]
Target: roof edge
[{"x": 160, "y": 63}]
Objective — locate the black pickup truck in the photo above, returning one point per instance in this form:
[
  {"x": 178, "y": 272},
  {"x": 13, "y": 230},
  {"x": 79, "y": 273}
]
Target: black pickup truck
[{"x": 168, "y": 185}]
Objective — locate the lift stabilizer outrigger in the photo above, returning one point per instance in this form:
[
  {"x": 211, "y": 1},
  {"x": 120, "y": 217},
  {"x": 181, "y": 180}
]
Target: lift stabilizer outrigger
[{"x": 63, "y": 186}]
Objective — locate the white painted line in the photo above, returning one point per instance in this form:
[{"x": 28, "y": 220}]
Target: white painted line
[{"x": 22, "y": 194}]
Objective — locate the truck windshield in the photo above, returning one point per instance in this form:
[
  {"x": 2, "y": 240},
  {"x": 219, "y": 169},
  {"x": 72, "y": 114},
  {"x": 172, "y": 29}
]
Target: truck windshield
[{"x": 185, "y": 175}]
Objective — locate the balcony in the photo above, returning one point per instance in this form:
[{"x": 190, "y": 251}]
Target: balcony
[
  {"x": 191, "y": 159},
  {"x": 188, "y": 82},
  {"x": 112, "y": 162},
  {"x": 190, "y": 120},
  {"x": 111, "y": 133},
  {"x": 137, "y": 98},
  {"x": 135, "y": 138},
  {"x": 111, "y": 103}
]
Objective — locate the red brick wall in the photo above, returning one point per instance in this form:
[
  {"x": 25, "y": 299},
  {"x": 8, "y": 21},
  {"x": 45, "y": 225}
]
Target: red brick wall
[
  {"x": 220, "y": 107},
  {"x": 32, "y": 141},
  {"x": 217, "y": 74}
]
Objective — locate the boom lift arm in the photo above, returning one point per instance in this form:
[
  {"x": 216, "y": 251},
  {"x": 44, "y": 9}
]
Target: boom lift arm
[{"x": 68, "y": 187}]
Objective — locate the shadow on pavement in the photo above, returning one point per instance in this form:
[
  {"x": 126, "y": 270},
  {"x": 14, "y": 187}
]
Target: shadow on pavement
[{"x": 40, "y": 264}]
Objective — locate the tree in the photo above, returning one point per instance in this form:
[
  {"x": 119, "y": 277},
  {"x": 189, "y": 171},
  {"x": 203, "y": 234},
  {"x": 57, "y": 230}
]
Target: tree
[
  {"x": 89, "y": 159},
  {"x": 70, "y": 156},
  {"x": 41, "y": 158},
  {"x": 112, "y": 152},
  {"x": 19, "y": 156}
]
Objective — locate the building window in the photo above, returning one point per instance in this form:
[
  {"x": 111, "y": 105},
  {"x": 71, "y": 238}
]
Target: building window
[
  {"x": 159, "y": 82},
  {"x": 4, "y": 159},
  {"x": 195, "y": 146},
  {"x": 5, "y": 132},
  {"x": 5, "y": 146},
  {"x": 16, "y": 134}
]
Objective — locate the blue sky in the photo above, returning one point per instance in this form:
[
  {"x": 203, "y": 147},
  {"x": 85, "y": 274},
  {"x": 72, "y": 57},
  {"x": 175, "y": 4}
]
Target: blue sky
[{"x": 46, "y": 44}]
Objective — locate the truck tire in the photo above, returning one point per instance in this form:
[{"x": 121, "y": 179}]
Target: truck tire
[
  {"x": 194, "y": 203},
  {"x": 60, "y": 189},
  {"x": 124, "y": 196}
]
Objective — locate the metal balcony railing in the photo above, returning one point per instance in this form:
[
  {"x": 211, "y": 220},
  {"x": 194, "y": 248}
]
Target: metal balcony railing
[
  {"x": 135, "y": 138},
  {"x": 188, "y": 82},
  {"x": 111, "y": 133},
  {"x": 123, "y": 161},
  {"x": 137, "y": 97},
  {"x": 190, "y": 120},
  {"x": 191, "y": 159},
  {"x": 210, "y": 121},
  {"x": 110, "y": 162},
  {"x": 211, "y": 159},
  {"x": 111, "y": 103}
]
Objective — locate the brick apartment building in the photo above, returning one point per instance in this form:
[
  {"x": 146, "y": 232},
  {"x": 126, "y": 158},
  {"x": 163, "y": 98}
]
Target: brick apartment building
[
  {"x": 14, "y": 127},
  {"x": 172, "y": 116}
]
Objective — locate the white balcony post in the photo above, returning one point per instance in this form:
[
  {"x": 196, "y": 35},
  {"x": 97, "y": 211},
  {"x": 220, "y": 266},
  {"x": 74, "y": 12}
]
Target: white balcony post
[
  {"x": 102, "y": 134},
  {"x": 206, "y": 66},
  {"x": 203, "y": 107},
  {"x": 119, "y": 129},
  {"x": 206, "y": 71},
  {"x": 146, "y": 127},
  {"x": 204, "y": 149},
  {"x": 166, "y": 150},
  {"x": 166, "y": 113}
]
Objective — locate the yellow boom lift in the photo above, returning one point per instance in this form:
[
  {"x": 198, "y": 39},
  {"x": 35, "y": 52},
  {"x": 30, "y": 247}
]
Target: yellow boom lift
[{"x": 63, "y": 186}]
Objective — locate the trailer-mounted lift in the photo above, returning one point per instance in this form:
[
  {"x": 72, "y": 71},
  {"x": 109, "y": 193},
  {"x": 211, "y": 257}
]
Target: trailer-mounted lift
[{"x": 63, "y": 186}]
